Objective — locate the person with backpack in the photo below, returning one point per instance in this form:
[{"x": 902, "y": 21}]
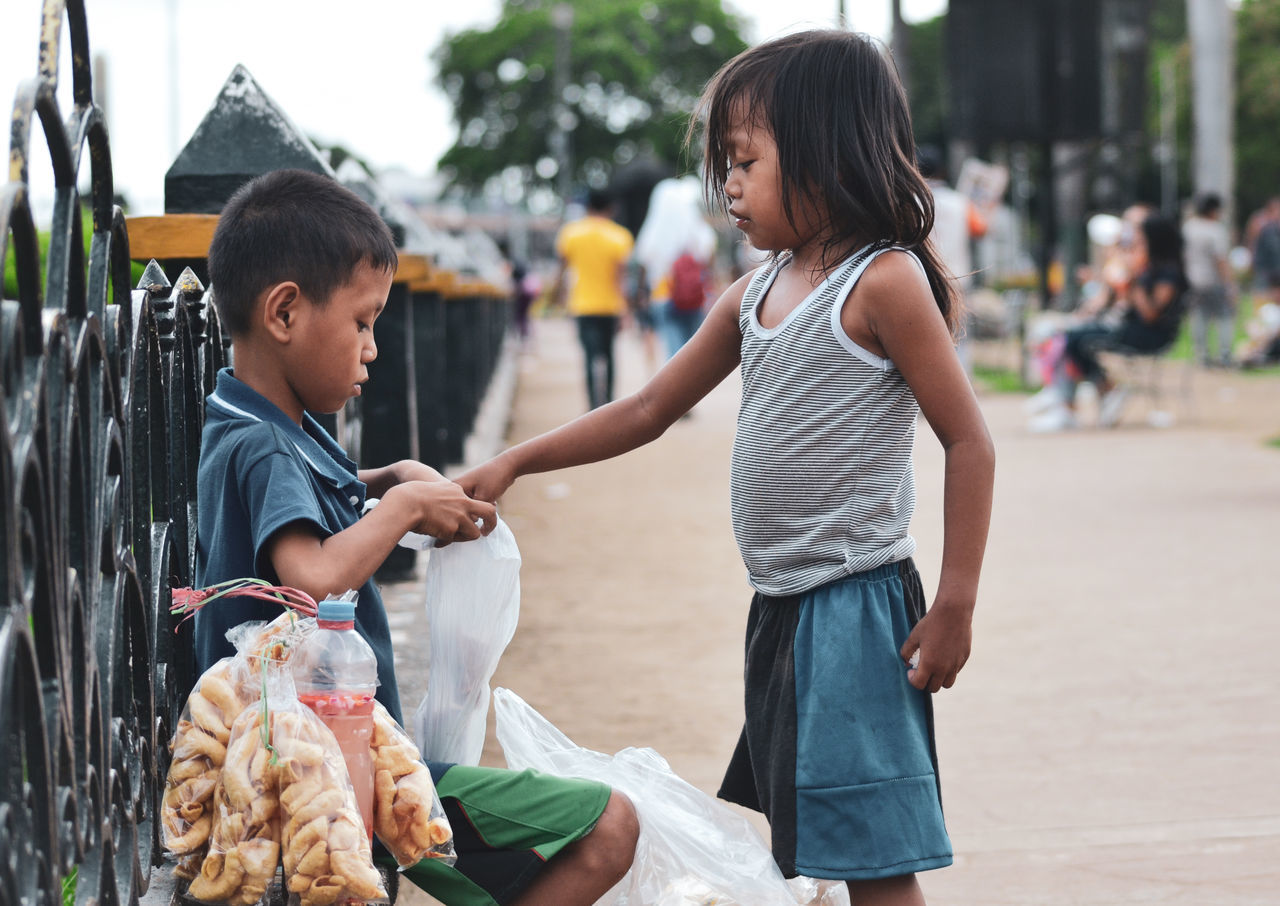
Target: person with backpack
[
  {"x": 675, "y": 246},
  {"x": 689, "y": 287}
]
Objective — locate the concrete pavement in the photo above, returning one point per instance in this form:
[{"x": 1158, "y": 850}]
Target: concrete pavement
[{"x": 1114, "y": 738}]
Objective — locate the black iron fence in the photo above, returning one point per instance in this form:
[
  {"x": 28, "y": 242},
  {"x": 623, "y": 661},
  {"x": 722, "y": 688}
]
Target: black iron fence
[{"x": 100, "y": 419}]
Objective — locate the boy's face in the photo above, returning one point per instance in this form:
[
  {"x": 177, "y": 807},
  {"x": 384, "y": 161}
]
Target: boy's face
[{"x": 333, "y": 345}]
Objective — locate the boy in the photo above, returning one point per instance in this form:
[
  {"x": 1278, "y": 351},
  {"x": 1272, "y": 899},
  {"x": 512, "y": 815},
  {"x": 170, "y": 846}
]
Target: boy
[{"x": 302, "y": 268}]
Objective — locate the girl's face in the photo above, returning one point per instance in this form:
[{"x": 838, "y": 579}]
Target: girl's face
[{"x": 754, "y": 190}]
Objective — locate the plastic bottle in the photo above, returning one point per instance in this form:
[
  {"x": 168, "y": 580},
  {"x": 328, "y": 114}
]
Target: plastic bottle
[{"x": 336, "y": 675}]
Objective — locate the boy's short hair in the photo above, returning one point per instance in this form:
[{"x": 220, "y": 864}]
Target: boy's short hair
[
  {"x": 1208, "y": 204},
  {"x": 292, "y": 225},
  {"x": 599, "y": 199}
]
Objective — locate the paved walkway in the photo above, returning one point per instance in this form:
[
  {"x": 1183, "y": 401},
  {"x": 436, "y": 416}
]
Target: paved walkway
[{"x": 1114, "y": 738}]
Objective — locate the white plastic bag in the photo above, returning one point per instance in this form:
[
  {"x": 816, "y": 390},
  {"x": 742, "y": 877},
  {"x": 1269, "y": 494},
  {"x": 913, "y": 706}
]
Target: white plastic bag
[
  {"x": 473, "y": 604},
  {"x": 692, "y": 851}
]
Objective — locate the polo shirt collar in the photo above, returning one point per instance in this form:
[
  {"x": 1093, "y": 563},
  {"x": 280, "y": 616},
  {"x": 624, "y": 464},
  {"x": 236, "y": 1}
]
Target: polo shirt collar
[{"x": 233, "y": 398}]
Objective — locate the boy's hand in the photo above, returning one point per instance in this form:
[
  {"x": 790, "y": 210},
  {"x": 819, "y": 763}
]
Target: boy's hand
[
  {"x": 489, "y": 480},
  {"x": 942, "y": 638},
  {"x": 445, "y": 511}
]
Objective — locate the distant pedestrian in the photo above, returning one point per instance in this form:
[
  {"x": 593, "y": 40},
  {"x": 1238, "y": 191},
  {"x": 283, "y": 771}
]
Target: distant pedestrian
[
  {"x": 956, "y": 224},
  {"x": 1262, "y": 234},
  {"x": 524, "y": 289},
  {"x": 675, "y": 247},
  {"x": 844, "y": 337},
  {"x": 1211, "y": 287},
  {"x": 593, "y": 254}
]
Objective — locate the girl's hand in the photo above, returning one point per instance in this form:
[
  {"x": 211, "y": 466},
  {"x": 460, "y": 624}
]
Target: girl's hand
[
  {"x": 412, "y": 470},
  {"x": 380, "y": 480},
  {"x": 942, "y": 638},
  {"x": 488, "y": 481}
]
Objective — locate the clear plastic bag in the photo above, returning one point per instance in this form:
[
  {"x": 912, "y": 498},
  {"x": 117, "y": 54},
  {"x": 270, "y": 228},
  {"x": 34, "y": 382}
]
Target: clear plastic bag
[
  {"x": 244, "y": 844},
  {"x": 326, "y": 851},
  {"x": 407, "y": 814},
  {"x": 692, "y": 850},
  {"x": 473, "y": 605},
  {"x": 273, "y": 642},
  {"x": 812, "y": 892},
  {"x": 199, "y": 749}
]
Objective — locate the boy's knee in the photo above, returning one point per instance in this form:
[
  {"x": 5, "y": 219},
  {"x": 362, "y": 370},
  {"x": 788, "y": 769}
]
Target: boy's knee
[{"x": 613, "y": 840}]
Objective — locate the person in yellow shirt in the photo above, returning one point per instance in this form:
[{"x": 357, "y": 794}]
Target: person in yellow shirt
[{"x": 593, "y": 254}]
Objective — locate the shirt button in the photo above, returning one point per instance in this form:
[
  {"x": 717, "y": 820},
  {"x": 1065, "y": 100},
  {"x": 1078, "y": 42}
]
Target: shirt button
[{"x": 355, "y": 501}]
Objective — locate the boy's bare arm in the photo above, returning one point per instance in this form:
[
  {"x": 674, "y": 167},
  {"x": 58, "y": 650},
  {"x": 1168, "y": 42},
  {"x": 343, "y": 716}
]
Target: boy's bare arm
[
  {"x": 633, "y": 421},
  {"x": 322, "y": 566}
]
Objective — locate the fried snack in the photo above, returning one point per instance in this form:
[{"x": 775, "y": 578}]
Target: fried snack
[
  {"x": 407, "y": 815},
  {"x": 244, "y": 844},
  {"x": 199, "y": 749},
  {"x": 278, "y": 639},
  {"x": 327, "y": 857}
]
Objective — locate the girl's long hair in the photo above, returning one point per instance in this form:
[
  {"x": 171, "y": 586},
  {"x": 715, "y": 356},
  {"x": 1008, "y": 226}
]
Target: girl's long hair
[{"x": 838, "y": 114}]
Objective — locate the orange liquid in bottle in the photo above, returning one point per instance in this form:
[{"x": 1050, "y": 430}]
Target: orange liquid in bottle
[{"x": 350, "y": 716}]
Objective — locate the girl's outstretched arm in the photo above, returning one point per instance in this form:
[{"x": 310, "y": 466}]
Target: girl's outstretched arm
[
  {"x": 632, "y": 421},
  {"x": 896, "y": 309}
]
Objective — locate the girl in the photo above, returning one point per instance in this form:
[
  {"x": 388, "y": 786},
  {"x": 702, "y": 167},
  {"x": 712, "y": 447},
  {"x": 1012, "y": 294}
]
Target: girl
[{"x": 842, "y": 337}]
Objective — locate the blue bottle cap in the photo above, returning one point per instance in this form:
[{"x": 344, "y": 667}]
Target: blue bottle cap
[{"x": 336, "y": 611}]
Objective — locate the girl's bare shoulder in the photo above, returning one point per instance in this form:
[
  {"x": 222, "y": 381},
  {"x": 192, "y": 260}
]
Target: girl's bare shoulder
[
  {"x": 895, "y": 274},
  {"x": 892, "y": 288}
]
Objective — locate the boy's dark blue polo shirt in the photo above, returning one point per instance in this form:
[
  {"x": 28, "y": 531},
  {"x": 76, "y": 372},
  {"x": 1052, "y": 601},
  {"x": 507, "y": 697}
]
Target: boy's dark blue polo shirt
[{"x": 261, "y": 471}]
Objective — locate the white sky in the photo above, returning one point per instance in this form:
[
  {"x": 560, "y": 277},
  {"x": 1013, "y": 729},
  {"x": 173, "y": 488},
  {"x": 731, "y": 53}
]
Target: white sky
[{"x": 358, "y": 74}]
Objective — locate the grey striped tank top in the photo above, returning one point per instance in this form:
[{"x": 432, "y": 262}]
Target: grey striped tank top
[{"x": 821, "y": 480}]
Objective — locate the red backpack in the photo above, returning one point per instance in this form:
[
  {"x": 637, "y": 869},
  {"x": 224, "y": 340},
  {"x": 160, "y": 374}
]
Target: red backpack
[{"x": 688, "y": 283}]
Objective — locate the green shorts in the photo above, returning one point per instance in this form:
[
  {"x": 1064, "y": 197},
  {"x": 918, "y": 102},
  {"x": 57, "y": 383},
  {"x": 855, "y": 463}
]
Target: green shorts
[{"x": 506, "y": 825}]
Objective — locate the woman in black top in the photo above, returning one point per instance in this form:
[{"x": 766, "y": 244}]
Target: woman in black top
[{"x": 1150, "y": 316}]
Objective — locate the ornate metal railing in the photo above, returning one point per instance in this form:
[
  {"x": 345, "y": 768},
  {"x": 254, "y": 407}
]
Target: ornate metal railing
[
  {"x": 99, "y": 434},
  {"x": 100, "y": 420}
]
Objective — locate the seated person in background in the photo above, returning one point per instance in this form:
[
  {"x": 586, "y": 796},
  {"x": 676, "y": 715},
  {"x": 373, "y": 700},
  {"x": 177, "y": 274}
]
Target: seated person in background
[
  {"x": 1148, "y": 316},
  {"x": 302, "y": 268}
]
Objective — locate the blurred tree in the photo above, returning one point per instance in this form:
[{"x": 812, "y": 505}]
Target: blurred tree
[
  {"x": 1169, "y": 50},
  {"x": 635, "y": 70},
  {"x": 926, "y": 72},
  {"x": 1257, "y": 104}
]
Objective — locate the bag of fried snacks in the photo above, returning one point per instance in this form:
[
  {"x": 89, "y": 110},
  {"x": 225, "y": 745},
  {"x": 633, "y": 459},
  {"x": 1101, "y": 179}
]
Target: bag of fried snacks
[
  {"x": 244, "y": 844},
  {"x": 198, "y": 750},
  {"x": 273, "y": 642},
  {"x": 407, "y": 814},
  {"x": 327, "y": 855}
]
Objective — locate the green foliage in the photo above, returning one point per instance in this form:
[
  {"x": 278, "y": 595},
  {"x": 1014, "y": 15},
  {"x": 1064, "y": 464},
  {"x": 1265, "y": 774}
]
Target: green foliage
[
  {"x": 636, "y": 68},
  {"x": 69, "y": 887},
  {"x": 1169, "y": 44},
  {"x": 1257, "y": 103},
  {"x": 42, "y": 241},
  {"x": 927, "y": 77},
  {"x": 11, "y": 268},
  {"x": 998, "y": 380}
]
